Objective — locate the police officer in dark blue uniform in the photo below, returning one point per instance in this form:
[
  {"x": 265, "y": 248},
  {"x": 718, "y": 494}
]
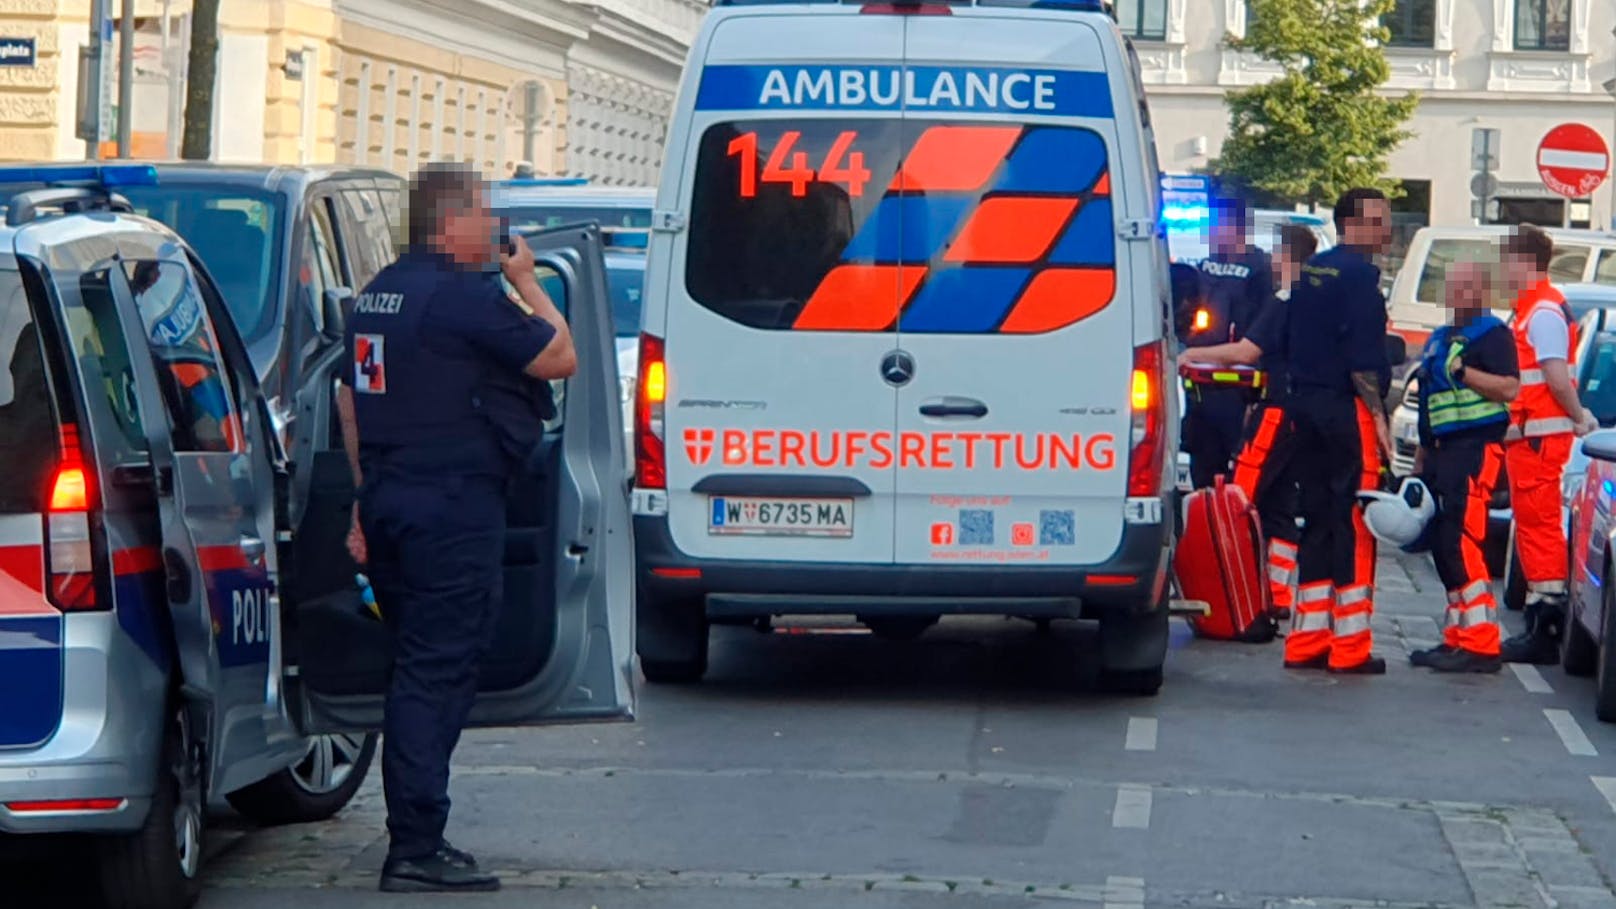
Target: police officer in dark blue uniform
[
  {"x": 1237, "y": 281},
  {"x": 1339, "y": 376},
  {"x": 438, "y": 351}
]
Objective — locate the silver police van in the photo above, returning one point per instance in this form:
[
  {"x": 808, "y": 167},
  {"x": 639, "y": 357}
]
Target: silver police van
[{"x": 178, "y": 615}]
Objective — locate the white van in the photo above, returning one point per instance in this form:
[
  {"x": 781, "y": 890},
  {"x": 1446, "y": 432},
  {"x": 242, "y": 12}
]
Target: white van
[
  {"x": 906, "y": 353},
  {"x": 1416, "y": 307}
]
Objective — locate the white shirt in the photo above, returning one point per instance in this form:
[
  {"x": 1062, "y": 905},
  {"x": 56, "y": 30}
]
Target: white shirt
[{"x": 1549, "y": 335}]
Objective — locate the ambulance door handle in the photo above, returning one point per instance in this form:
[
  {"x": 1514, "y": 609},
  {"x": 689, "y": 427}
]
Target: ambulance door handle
[{"x": 954, "y": 407}]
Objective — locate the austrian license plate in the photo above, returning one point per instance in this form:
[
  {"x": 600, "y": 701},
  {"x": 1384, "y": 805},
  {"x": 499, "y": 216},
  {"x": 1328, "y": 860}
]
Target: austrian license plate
[{"x": 764, "y": 516}]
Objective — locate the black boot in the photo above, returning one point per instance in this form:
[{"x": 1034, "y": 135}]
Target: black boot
[
  {"x": 1424, "y": 657},
  {"x": 1464, "y": 661},
  {"x": 439, "y": 872},
  {"x": 1530, "y": 613},
  {"x": 1540, "y": 646}
]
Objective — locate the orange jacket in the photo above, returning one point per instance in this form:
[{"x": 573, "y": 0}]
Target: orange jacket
[{"x": 1535, "y": 411}]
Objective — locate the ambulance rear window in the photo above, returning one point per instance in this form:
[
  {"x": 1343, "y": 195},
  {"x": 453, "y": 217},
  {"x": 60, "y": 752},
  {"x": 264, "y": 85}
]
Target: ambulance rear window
[
  {"x": 864, "y": 224},
  {"x": 28, "y": 438}
]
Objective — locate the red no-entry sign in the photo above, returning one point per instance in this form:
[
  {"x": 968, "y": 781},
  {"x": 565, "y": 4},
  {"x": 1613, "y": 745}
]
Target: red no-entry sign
[{"x": 1573, "y": 160}]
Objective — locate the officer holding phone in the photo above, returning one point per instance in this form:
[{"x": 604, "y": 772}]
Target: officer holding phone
[{"x": 435, "y": 419}]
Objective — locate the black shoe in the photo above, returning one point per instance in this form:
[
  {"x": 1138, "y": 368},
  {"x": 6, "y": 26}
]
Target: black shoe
[
  {"x": 1535, "y": 649},
  {"x": 459, "y": 856},
  {"x": 1281, "y": 613},
  {"x": 1318, "y": 662},
  {"x": 1424, "y": 657},
  {"x": 1464, "y": 661},
  {"x": 436, "y": 873},
  {"x": 1372, "y": 666}
]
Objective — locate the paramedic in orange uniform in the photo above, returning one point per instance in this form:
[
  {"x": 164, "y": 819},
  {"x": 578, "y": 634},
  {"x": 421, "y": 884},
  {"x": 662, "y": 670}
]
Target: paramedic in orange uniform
[
  {"x": 1263, "y": 469},
  {"x": 1546, "y": 419}
]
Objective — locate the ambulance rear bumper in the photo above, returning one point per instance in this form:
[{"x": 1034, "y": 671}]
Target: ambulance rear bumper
[{"x": 1132, "y": 580}]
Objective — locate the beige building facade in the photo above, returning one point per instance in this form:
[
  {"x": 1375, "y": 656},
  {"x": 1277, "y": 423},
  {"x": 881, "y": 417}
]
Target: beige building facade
[
  {"x": 1521, "y": 67},
  {"x": 574, "y": 87}
]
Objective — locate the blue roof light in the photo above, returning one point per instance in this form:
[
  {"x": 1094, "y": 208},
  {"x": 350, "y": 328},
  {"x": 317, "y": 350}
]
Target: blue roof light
[
  {"x": 1185, "y": 215},
  {"x": 110, "y": 176}
]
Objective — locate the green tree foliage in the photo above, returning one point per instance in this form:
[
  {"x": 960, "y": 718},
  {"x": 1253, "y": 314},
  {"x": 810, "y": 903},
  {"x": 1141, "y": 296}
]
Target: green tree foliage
[{"x": 1322, "y": 127}]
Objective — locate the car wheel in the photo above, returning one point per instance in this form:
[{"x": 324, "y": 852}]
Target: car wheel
[
  {"x": 1133, "y": 649},
  {"x": 320, "y": 784},
  {"x": 671, "y": 640},
  {"x": 1514, "y": 579},
  {"x": 900, "y": 628},
  {"x": 158, "y": 866},
  {"x": 1605, "y": 675}
]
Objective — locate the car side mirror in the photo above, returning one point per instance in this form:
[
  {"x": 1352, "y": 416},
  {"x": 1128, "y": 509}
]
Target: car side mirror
[
  {"x": 334, "y": 305},
  {"x": 1601, "y": 446},
  {"x": 1396, "y": 350}
]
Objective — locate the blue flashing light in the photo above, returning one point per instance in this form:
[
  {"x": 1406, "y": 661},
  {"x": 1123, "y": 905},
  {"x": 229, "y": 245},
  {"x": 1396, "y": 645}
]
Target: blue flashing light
[
  {"x": 1185, "y": 215},
  {"x": 110, "y": 176},
  {"x": 636, "y": 239}
]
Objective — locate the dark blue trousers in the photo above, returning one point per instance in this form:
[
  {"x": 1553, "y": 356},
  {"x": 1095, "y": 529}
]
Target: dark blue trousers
[{"x": 435, "y": 552}]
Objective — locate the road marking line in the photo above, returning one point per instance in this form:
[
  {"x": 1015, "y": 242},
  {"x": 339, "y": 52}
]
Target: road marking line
[
  {"x": 1575, "y": 740},
  {"x": 1607, "y": 788},
  {"x": 1532, "y": 680},
  {"x": 1141, "y": 733},
  {"x": 1133, "y": 807},
  {"x": 1124, "y": 892}
]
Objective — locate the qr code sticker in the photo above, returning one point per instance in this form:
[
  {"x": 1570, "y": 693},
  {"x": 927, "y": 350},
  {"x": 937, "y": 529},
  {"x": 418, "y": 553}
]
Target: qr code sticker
[
  {"x": 1056, "y": 528},
  {"x": 975, "y": 527}
]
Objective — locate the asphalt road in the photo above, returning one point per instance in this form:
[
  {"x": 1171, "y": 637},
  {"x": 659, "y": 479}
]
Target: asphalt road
[{"x": 975, "y": 768}]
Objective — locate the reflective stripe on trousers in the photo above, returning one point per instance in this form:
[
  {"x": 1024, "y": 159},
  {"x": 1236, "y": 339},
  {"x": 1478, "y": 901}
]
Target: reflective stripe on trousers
[
  {"x": 1353, "y": 638},
  {"x": 1472, "y": 620},
  {"x": 1309, "y": 637},
  {"x": 1282, "y": 571}
]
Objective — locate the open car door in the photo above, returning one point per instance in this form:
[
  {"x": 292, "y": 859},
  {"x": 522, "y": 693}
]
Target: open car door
[{"x": 564, "y": 646}]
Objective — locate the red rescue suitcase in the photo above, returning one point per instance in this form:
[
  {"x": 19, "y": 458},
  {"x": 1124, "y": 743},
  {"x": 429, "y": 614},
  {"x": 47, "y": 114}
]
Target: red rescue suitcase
[{"x": 1220, "y": 561}]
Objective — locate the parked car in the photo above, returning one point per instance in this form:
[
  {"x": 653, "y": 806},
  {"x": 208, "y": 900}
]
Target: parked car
[
  {"x": 1588, "y": 645},
  {"x": 181, "y": 618},
  {"x": 1415, "y": 306}
]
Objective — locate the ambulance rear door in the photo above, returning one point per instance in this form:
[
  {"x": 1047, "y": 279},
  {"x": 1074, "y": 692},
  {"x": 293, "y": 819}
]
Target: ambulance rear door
[
  {"x": 1013, "y": 432},
  {"x": 780, "y": 312}
]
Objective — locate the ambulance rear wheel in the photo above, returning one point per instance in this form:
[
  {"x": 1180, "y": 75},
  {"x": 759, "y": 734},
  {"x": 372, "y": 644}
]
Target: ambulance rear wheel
[
  {"x": 158, "y": 866},
  {"x": 670, "y": 637},
  {"x": 1133, "y": 649}
]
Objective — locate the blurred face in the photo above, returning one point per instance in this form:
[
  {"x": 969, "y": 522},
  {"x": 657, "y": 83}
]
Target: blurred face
[
  {"x": 1520, "y": 272},
  {"x": 1467, "y": 290},
  {"x": 469, "y": 230},
  {"x": 1228, "y": 234},
  {"x": 1371, "y": 229}
]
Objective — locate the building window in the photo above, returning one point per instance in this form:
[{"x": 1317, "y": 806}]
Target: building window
[
  {"x": 362, "y": 117},
  {"x": 438, "y": 88},
  {"x": 460, "y": 124},
  {"x": 1543, "y": 25},
  {"x": 390, "y": 119},
  {"x": 1412, "y": 23},
  {"x": 1143, "y": 19},
  {"x": 415, "y": 121}
]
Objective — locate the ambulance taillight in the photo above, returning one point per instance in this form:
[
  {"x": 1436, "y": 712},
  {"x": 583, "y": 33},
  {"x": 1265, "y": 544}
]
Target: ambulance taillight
[
  {"x": 69, "y": 555},
  {"x": 1147, "y": 403},
  {"x": 650, "y": 451}
]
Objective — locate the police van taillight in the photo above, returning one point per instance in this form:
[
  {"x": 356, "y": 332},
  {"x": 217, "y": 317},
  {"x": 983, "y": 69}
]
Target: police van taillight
[
  {"x": 1146, "y": 400},
  {"x": 69, "y": 553},
  {"x": 651, "y": 392}
]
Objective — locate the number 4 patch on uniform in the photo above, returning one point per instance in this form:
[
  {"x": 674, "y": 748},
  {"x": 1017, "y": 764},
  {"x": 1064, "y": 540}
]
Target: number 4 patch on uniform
[{"x": 370, "y": 374}]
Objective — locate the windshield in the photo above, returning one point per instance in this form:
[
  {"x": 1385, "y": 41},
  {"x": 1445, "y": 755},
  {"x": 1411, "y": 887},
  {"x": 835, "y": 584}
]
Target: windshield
[
  {"x": 626, "y": 281},
  {"x": 237, "y": 232}
]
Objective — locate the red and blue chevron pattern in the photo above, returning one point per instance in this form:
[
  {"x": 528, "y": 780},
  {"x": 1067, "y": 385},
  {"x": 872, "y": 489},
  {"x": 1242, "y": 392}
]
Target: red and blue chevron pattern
[{"x": 984, "y": 229}]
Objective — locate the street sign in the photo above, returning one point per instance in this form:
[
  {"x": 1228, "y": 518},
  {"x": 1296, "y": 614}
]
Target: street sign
[
  {"x": 1484, "y": 149},
  {"x": 1484, "y": 185},
  {"x": 107, "y": 125},
  {"x": 17, "y": 51},
  {"x": 1573, "y": 160}
]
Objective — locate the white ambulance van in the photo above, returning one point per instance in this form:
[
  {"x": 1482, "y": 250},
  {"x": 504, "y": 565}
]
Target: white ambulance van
[{"x": 907, "y": 337}]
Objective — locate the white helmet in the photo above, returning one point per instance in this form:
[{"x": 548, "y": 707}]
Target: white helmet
[{"x": 1399, "y": 518}]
